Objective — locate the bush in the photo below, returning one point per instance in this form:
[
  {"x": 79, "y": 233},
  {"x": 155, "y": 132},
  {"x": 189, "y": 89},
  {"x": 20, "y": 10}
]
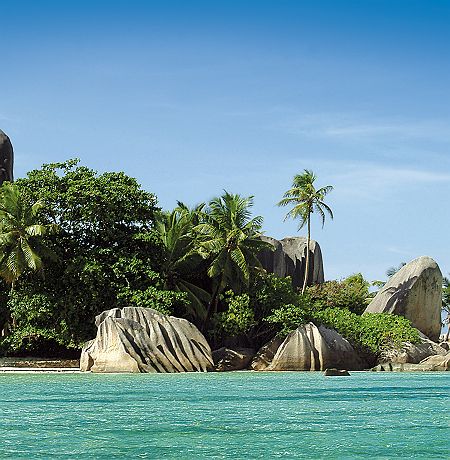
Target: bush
[
  {"x": 288, "y": 318},
  {"x": 351, "y": 293},
  {"x": 268, "y": 292},
  {"x": 372, "y": 332},
  {"x": 238, "y": 318}
]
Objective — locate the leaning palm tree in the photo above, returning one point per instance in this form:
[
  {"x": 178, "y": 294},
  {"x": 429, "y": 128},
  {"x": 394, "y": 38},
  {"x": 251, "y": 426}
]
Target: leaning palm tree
[
  {"x": 230, "y": 239},
  {"x": 21, "y": 233},
  {"x": 306, "y": 199}
]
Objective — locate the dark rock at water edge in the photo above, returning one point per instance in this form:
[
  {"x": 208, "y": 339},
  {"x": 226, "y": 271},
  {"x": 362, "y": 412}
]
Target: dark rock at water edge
[
  {"x": 332, "y": 372},
  {"x": 226, "y": 359},
  {"x": 289, "y": 259},
  {"x": 414, "y": 292},
  {"x": 143, "y": 340},
  {"x": 6, "y": 158}
]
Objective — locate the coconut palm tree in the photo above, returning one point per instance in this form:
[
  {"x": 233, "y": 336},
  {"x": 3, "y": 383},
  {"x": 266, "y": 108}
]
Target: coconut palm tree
[
  {"x": 230, "y": 239},
  {"x": 21, "y": 233},
  {"x": 306, "y": 200},
  {"x": 180, "y": 257},
  {"x": 21, "y": 245}
]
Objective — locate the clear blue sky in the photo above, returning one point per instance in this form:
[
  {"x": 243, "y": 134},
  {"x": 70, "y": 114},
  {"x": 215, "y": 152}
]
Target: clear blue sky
[{"x": 195, "y": 97}]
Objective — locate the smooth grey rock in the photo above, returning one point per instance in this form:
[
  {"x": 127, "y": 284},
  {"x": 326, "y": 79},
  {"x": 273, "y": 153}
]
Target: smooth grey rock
[
  {"x": 143, "y": 340},
  {"x": 437, "y": 362},
  {"x": 289, "y": 259},
  {"x": 6, "y": 158},
  {"x": 312, "y": 348},
  {"x": 414, "y": 292},
  {"x": 226, "y": 359},
  {"x": 332, "y": 372},
  {"x": 266, "y": 354},
  {"x": 412, "y": 353},
  {"x": 432, "y": 364}
]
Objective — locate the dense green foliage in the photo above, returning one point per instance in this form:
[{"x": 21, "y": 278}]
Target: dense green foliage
[
  {"x": 104, "y": 248},
  {"x": 74, "y": 243},
  {"x": 351, "y": 293},
  {"x": 237, "y": 319},
  {"x": 371, "y": 333}
]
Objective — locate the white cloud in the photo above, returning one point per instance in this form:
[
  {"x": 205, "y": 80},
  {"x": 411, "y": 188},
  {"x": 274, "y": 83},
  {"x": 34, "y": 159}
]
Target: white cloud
[{"x": 357, "y": 127}]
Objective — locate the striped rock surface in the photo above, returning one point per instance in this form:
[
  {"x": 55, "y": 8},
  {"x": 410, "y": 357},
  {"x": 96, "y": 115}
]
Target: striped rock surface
[
  {"x": 312, "y": 348},
  {"x": 143, "y": 340}
]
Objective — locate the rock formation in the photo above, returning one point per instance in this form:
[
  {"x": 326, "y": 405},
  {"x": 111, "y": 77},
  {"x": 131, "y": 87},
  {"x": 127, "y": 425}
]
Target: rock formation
[
  {"x": 412, "y": 353},
  {"x": 414, "y": 292},
  {"x": 432, "y": 363},
  {"x": 312, "y": 348},
  {"x": 6, "y": 158},
  {"x": 289, "y": 259},
  {"x": 144, "y": 340},
  {"x": 336, "y": 372},
  {"x": 226, "y": 359}
]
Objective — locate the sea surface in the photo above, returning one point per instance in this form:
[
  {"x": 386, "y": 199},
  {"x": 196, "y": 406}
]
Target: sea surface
[{"x": 239, "y": 415}]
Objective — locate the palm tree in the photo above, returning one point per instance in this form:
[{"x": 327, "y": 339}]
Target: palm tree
[
  {"x": 306, "y": 199},
  {"x": 180, "y": 256},
  {"x": 230, "y": 239},
  {"x": 21, "y": 245}
]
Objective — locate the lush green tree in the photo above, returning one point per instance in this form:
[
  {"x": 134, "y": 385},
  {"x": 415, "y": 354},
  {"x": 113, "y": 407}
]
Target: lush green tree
[
  {"x": 230, "y": 238},
  {"x": 107, "y": 252},
  {"x": 305, "y": 199}
]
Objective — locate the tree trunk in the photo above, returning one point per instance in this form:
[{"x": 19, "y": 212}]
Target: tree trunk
[
  {"x": 214, "y": 301},
  {"x": 305, "y": 281}
]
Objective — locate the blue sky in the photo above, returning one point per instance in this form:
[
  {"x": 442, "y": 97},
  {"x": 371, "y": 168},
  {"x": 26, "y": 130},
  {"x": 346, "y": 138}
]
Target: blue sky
[{"x": 196, "y": 97}]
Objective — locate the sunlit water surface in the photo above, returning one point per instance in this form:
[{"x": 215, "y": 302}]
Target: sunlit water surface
[{"x": 225, "y": 415}]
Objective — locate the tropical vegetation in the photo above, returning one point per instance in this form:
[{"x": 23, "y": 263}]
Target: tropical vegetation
[{"x": 74, "y": 243}]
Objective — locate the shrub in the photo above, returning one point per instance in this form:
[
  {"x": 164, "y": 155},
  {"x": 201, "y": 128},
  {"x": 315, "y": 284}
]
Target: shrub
[
  {"x": 269, "y": 292},
  {"x": 351, "y": 293},
  {"x": 372, "y": 332},
  {"x": 238, "y": 318}
]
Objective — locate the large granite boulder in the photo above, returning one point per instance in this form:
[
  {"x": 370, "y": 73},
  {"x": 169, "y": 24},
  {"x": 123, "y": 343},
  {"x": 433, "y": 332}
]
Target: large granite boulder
[
  {"x": 414, "y": 292},
  {"x": 6, "y": 158},
  {"x": 412, "y": 353},
  {"x": 432, "y": 363},
  {"x": 312, "y": 348},
  {"x": 226, "y": 359},
  {"x": 289, "y": 259},
  {"x": 143, "y": 340}
]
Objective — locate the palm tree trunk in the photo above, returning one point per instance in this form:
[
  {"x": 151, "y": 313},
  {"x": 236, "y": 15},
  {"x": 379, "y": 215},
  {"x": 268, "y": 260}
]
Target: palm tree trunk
[
  {"x": 305, "y": 281},
  {"x": 214, "y": 301}
]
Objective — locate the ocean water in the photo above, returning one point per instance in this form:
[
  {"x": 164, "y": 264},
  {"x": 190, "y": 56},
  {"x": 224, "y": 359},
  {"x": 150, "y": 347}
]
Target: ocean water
[{"x": 239, "y": 415}]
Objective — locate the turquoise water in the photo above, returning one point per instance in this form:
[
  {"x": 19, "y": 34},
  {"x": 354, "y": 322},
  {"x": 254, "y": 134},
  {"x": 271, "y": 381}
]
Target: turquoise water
[{"x": 231, "y": 415}]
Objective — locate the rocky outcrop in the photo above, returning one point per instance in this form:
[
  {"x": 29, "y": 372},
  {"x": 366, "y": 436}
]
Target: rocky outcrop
[
  {"x": 412, "y": 353},
  {"x": 414, "y": 292},
  {"x": 265, "y": 355},
  {"x": 144, "y": 340},
  {"x": 312, "y": 348},
  {"x": 336, "y": 373},
  {"x": 226, "y": 359},
  {"x": 433, "y": 363},
  {"x": 289, "y": 259},
  {"x": 6, "y": 158}
]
